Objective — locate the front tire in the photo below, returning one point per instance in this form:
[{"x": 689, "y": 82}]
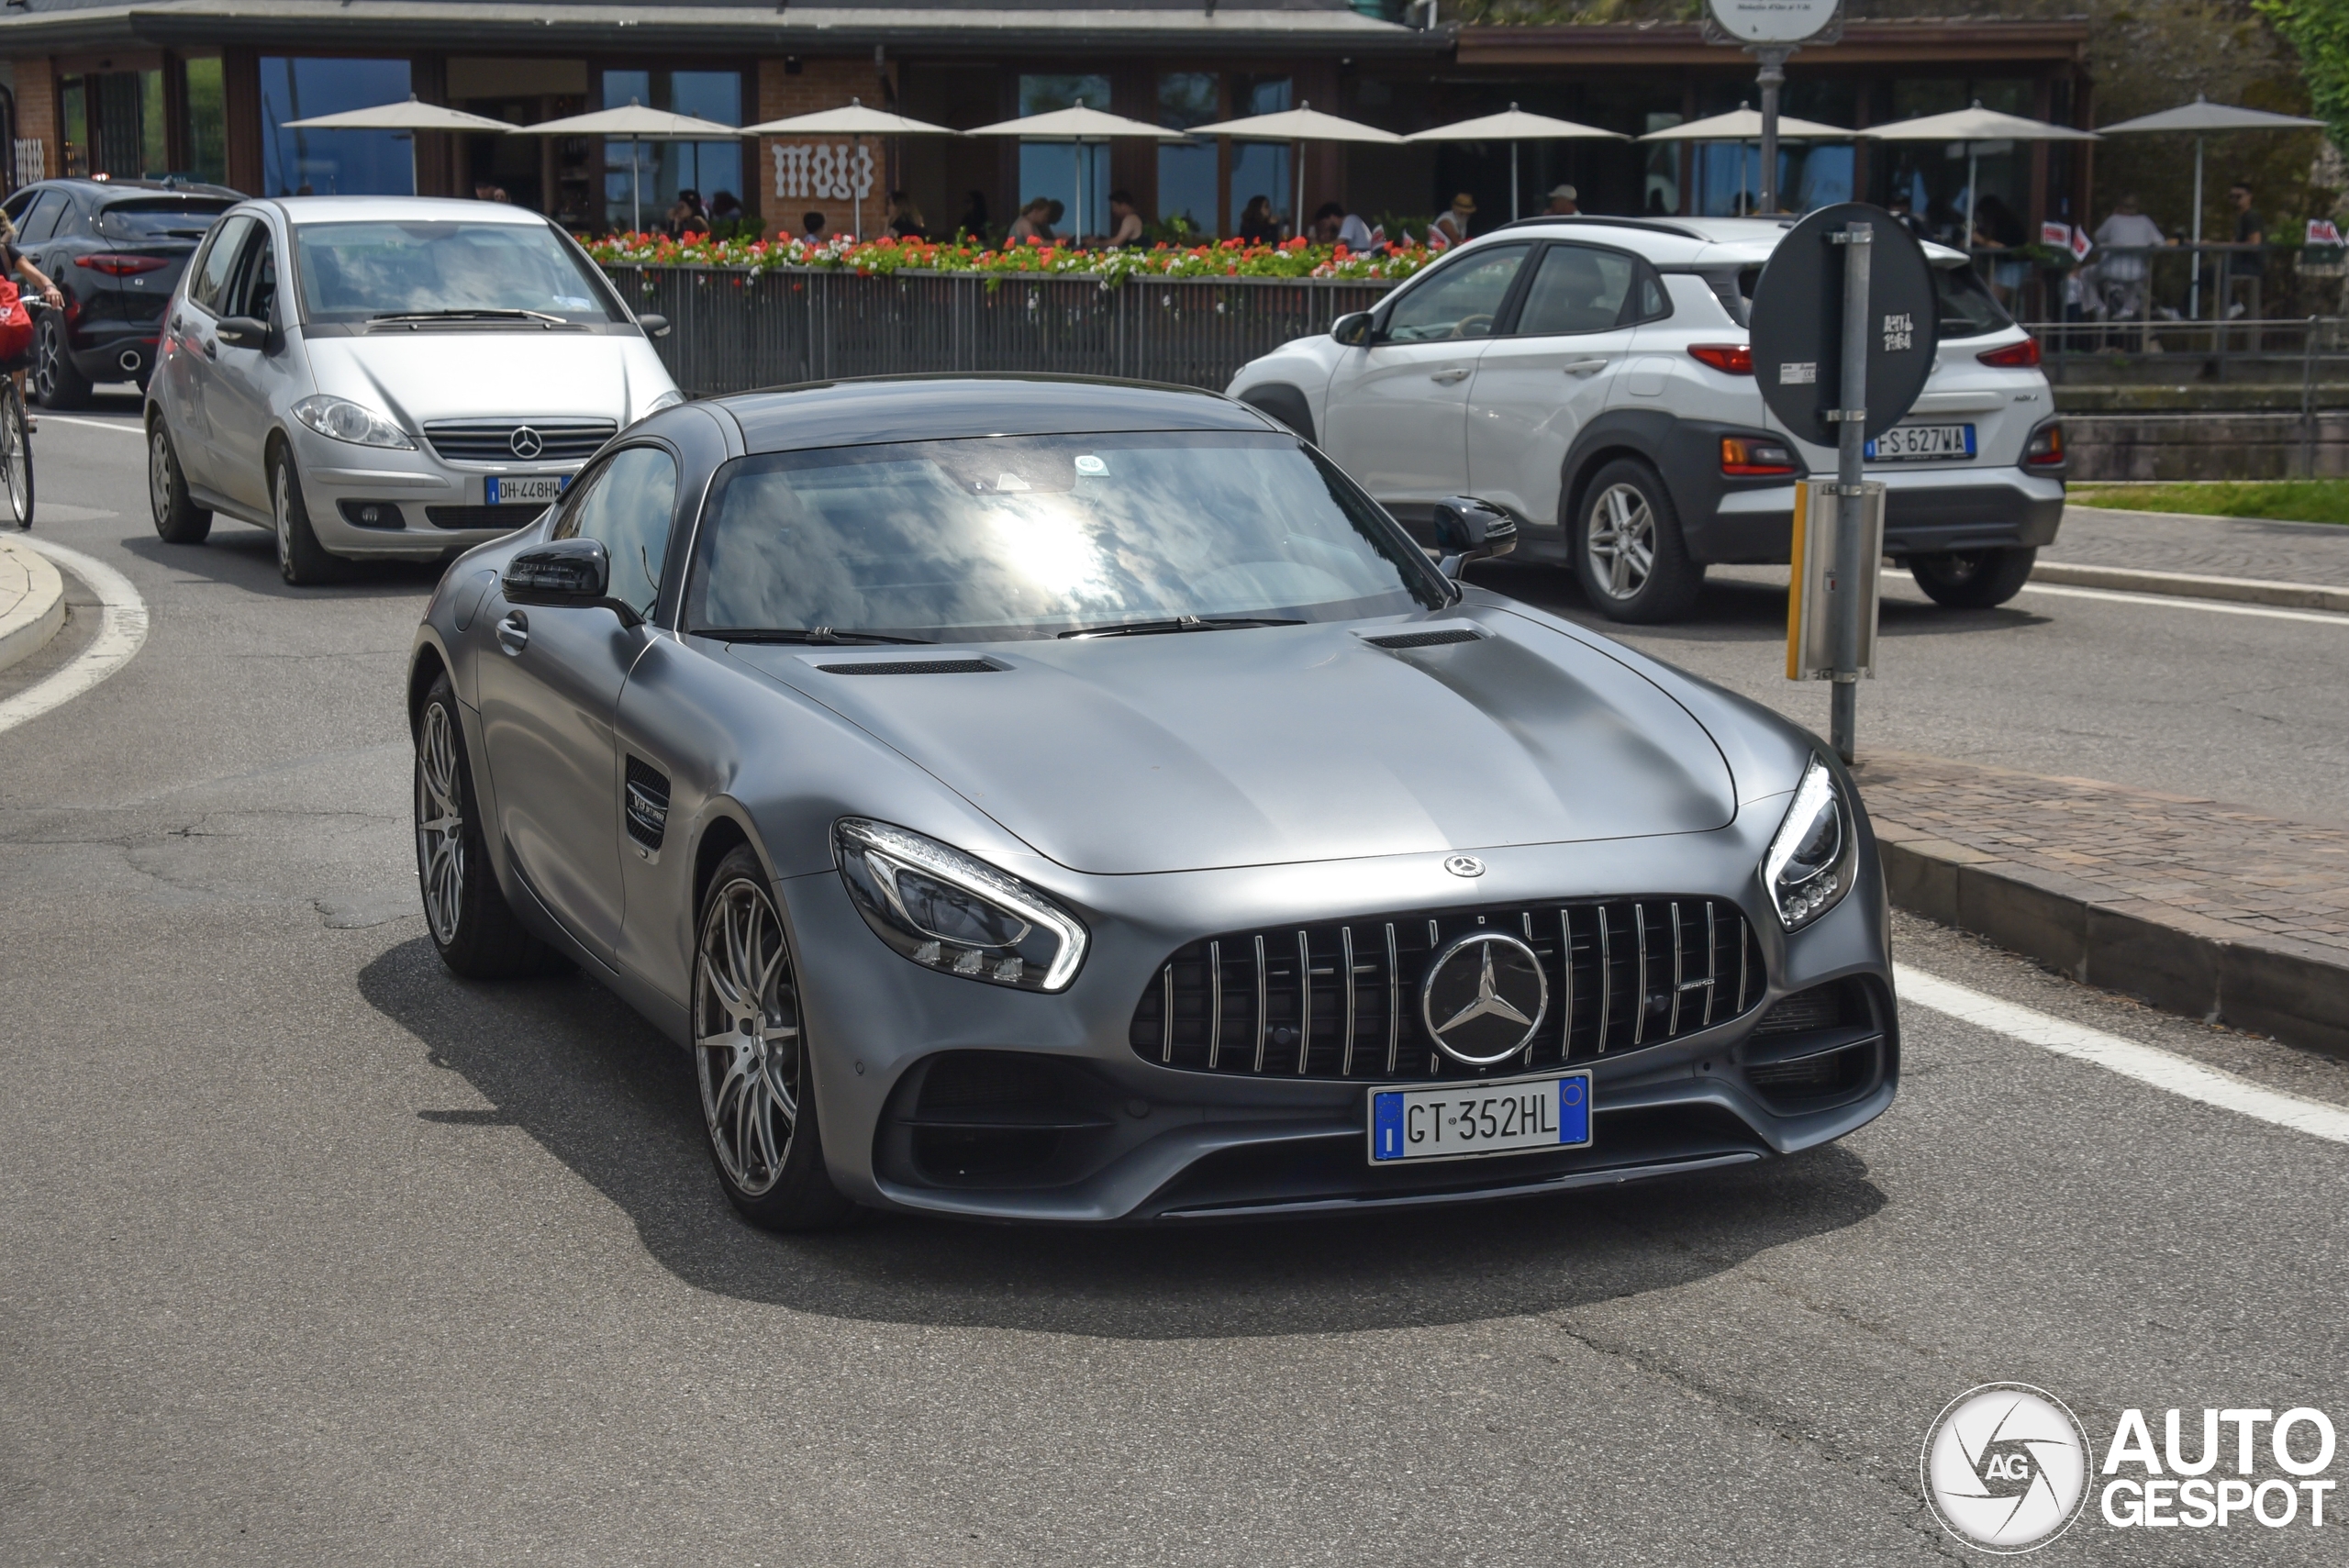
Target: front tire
[
  {"x": 1628, "y": 550},
  {"x": 16, "y": 459},
  {"x": 58, "y": 382},
  {"x": 301, "y": 559},
  {"x": 178, "y": 520},
  {"x": 750, "y": 1057},
  {"x": 471, "y": 923},
  {"x": 1973, "y": 579}
]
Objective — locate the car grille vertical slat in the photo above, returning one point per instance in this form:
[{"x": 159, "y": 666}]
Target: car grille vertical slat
[{"x": 1192, "y": 1005}]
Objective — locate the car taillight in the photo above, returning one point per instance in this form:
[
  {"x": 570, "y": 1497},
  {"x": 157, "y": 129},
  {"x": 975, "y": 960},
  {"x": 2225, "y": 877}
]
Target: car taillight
[
  {"x": 1732, "y": 359},
  {"x": 117, "y": 264},
  {"x": 2045, "y": 448},
  {"x": 2020, "y": 356},
  {"x": 1743, "y": 456}
]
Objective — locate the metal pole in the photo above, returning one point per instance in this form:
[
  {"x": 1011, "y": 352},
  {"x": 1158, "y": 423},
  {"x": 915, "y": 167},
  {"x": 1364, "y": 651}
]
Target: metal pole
[
  {"x": 1512, "y": 179},
  {"x": 2194, "y": 289},
  {"x": 1851, "y": 391},
  {"x": 1773, "y": 77}
]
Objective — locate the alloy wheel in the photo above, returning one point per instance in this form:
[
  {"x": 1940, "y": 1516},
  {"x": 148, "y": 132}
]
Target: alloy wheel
[
  {"x": 282, "y": 496},
  {"x": 1622, "y": 540},
  {"x": 439, "y": 823},
  {"x": 746, "y": 1036},
  {"x": 159, "y": 470},
  {"x": 47, "y": 346}
]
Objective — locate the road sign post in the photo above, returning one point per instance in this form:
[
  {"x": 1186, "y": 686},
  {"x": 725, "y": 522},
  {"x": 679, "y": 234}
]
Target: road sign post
[
  {"x": 1771, "y": 30},
  {"x": 1844, "y": 329}
]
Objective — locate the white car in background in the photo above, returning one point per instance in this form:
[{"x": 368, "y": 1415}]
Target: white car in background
[
  {"x": 373, "y": 377},
  {"x": 1591, "y": 376}
]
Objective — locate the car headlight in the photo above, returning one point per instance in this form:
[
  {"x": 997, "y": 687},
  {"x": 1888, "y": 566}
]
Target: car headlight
[
  {"x": 948, "y": 912},
  {"x": 1811, "y": 860},
  {"x": 344, "y": 420}
]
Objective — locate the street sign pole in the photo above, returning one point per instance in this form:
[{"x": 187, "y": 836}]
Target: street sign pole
[
  {"x": 1851, "y": 496},
  {"x": 1771, "y": 30},
  {"x": 1773, "y": 77}
]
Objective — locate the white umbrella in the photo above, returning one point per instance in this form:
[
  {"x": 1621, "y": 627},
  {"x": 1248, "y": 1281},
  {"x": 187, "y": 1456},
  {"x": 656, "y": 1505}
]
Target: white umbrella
[
  {"x": 1743, "y": 125},
  {"x": 1973, "y": 127},
  {"x": 1077, "y": 127},
  {"x": 2204, "y": 118},
  {"x": 634, "y": 124},
  {"x": 856, "y": 120},
  {"x": 1303, "y": 123},
  {"x": 410, "y": 116},
  {"x": 1514, "y": 126}
]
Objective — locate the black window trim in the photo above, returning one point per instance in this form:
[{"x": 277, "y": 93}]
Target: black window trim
[
  {"x": 1629, "y": 317},
  {"x": 203, "y": 256},
  {"x": 669, "y": 593},
  {"x": 1384, "y": 310}
]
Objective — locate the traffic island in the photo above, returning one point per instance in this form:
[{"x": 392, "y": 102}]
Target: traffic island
[
  {"x": 32, "y": 602},
  {"x": 2219, "y": 912}
]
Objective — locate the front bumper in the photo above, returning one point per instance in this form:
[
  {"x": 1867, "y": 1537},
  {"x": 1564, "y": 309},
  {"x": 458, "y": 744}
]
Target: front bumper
[
  {"x": 424, "y": 506},
  {"x": 1152, "y": 1142},
  {"x": 1925, "y": 510}
]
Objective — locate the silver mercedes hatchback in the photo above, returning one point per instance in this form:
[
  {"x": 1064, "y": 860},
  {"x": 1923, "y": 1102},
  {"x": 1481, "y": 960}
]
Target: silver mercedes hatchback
[{"x": 387, "y": 377}]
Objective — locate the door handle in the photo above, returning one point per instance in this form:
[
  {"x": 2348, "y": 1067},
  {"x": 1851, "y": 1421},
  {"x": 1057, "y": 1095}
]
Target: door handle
[
  {"x": 1448, "y": 377},
  {"x": 210, "y": 350},
  {"x": 514, "y": 632},
  {"x": 1585, "y": 367}
]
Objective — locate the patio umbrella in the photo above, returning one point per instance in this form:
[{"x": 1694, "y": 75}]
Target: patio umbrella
[
  {"x": 2203, "y": 117},
  {"x": 1974, "y": 127},
  {"x": 1514, "y": 126},
  {"x": 632, "y": 124},
  {"x": 856, "y": 120},
  {"x": 1743, "y": 125},
  {"x": 1077, "y": 127},
  {"x": 1303, "y": 123},
  {"x": 410, "y": 116}
]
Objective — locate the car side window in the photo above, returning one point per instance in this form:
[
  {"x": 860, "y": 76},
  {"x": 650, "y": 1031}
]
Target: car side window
[
  {"x": 1460, "y": 301},
  {"x": 628, "y": 505},
  {"x": 1581, "y": 289},
  {"x": 254, "y": 292},
  {"x": 217, "y": 266},
  {"x": 41, "y": 222}
]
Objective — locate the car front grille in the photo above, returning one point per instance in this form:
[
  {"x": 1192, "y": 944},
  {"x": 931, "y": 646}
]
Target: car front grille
[
  {"x": 507, "y": 516},
  {"x": 492, "y": 440},
  {"x": 1623, "y": 974}
]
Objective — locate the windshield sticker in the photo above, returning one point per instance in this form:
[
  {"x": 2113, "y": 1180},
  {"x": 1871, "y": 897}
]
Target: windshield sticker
[{"x": 1093, "y": 466}]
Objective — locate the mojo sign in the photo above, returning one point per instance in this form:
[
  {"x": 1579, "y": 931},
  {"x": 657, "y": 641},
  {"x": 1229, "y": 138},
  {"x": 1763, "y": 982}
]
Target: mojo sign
[{"x": 823, "y": 171}]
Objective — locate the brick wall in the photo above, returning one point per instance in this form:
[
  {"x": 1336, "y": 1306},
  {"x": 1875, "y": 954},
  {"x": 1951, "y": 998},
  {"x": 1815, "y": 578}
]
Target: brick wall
[
  {"x": 821, "y": 83},
  {"x": 36, "y": 109}
]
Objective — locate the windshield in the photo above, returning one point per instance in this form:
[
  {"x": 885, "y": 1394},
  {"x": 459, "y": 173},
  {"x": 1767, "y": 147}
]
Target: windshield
[
  {"x": 1967, "y": 309},
  {"x": 1040, "y": 536},
  {"x": 174, "y": 218},
  {"x": 357, "y": 271}
]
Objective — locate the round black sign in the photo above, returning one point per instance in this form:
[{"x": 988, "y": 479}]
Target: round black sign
[{"x": 1798, "y": 322}]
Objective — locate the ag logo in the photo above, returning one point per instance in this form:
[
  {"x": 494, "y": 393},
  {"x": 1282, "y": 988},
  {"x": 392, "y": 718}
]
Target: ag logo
[{"x": 2005, "y": 1467}]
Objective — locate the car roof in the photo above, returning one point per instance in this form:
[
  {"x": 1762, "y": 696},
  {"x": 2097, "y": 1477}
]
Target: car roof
[
  {"x": 107, "y": 188},
  {"x": 1681, "y": 241},
  {"x": 869, "y": 410},
  {"x": 407, "y": 209}
]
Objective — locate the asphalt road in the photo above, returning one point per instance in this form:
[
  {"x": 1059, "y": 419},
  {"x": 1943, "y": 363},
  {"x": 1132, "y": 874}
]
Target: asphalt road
[{"x": 309, "y": 1253}]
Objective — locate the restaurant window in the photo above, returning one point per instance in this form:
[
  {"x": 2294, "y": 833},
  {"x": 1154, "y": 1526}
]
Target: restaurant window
[
  {"x": 666, "y": 168},
  {"x": 1187, "y": 169},
  {"x": 1931, "y": 175},
  {"x": 1056, "y": 170},
  {"x": 332, "y": 162},
  {"x": 207, "y": 122},
  {"x": 1259, "y": 168},
  {"x": 1660, "y": 179},
  {"x": 114, "y": 124}
]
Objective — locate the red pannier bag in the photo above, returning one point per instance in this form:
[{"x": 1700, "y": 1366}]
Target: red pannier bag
[{"x": 16, "y": 324}]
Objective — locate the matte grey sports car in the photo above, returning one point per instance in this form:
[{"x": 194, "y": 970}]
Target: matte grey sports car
[{"x": 1077, "y": 801}]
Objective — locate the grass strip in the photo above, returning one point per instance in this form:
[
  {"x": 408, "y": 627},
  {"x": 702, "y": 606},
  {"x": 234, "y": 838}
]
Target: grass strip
[{"x": 2276, "y": 500}]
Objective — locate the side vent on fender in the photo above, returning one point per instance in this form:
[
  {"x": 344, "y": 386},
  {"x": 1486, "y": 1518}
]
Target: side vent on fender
[
  {"x": 647, "y": 807},
  {"x": 1432, "y": 638}
]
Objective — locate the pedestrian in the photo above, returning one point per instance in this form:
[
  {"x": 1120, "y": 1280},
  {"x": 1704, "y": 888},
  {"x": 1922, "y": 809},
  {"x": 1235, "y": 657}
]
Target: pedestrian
[
  {"x": 1054, "y": 212},
  {"x": 725, "y": 206},
  {"x": 812, "y": 226},
  {"x": 1125, "y": 219},
  {"x": 2125, "y": 242},
  {"x": 1451, "y": 227},
  {"x": 1996, "y": 229},
  {"x": 1358, "y": 236},
  {"x": 974, "y": 221},
  {"x": 686, "y": 217},
  {"x": 1032, "y": 225},
  {"x": 1257, "y": 225},
  {"x": 2249, "y": 266},
  {"x": 1327, "y": 219},
  {"x": 15, "y": 265},
  {"x": 903, "y": 218},
  {"x": 1907, "y": 215},
  {"x": 1561, "y": 202}
]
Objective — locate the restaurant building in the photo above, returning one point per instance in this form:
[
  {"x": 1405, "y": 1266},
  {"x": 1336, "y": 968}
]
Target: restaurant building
[{"x": 204, "y": 89}]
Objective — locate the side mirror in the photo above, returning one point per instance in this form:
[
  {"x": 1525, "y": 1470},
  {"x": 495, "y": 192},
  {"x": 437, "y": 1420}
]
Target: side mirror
[
  {"x": 1353, "y": 329},
  {"x": 242, "y": 332},
  {"x": 654, "y": 326},
  {"x": 566, "y": 573},
  {"x": 1468, "y": 529}
]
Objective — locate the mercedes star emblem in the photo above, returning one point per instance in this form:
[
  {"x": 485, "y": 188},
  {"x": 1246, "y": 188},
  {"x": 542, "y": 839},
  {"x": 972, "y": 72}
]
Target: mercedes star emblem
[
  {"x": 1484, "y": 998},
  {"x": 525, "y": 442},
  {"x": 1465, "y": 865}
]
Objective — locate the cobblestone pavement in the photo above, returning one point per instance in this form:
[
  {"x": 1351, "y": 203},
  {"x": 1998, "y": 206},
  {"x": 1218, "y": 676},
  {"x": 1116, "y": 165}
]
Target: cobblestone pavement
[
  {"x": 2217, "y": 547},
  {"x": 2168, "y": 855}
]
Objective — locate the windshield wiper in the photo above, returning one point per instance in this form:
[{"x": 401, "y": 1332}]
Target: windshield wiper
[
  {"x": 481, "y": 314},
  {"x": 1178, "y": 623},
  {"x": 817, "y": 634}
]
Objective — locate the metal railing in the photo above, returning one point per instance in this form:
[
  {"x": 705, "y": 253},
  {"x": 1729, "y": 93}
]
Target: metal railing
[
  {"x": 2232, "y": 310},
  {"x": 731, "y": 330}
]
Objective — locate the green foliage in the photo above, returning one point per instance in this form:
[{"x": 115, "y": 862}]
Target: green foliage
[
  {"x": 2317, "y": 31},
  {"x": 2282, "y": 500}
]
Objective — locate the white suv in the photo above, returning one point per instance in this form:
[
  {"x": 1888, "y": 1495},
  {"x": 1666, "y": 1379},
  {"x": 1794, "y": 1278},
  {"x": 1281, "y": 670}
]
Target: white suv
[{"x": 1591, "y": 375}]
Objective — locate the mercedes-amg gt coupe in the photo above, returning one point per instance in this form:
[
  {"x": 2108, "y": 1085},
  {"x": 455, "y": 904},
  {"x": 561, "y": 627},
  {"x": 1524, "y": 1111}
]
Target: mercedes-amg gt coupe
[{"x": 1054, "y": 800}]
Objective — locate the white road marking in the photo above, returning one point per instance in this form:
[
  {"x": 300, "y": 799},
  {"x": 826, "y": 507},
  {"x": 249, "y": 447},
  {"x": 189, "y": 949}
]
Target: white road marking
[
  {"x": 133, "y": 426},
  {"x": 2148, "y": 1065},
  {"x": 2179, "y": 602},
  {"x": 121, "y": 633}
]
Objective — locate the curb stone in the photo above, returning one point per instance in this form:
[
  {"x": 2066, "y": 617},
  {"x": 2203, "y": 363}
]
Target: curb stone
[
  {"x": 32, "y": 602},
  {"x": 2191, "y": 585}
]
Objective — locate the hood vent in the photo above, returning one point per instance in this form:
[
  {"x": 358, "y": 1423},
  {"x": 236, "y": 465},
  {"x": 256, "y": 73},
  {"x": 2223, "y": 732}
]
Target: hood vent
[
  {"x": 914, "y": 667},
  {"x": 1436, "y": 638}
]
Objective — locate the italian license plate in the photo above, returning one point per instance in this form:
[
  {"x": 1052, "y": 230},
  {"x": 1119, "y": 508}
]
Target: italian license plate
[
  {"x": 1462, "y": 1121},
  {"x": 1909, "y": 443},
  {"x": 515, "y": 489}
]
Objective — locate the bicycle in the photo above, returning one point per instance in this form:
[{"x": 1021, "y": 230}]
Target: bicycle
[{"x": 16, "y": 458}]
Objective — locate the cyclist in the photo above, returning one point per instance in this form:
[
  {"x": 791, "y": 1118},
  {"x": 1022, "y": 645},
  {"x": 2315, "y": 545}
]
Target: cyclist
[{"x": 14, "y": 265}]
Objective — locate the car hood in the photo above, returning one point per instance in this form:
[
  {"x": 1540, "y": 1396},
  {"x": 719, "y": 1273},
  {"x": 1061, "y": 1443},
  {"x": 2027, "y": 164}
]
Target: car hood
[
  {"x": 1275, "y": 745},
  {"x": 485, "y": 375}
]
